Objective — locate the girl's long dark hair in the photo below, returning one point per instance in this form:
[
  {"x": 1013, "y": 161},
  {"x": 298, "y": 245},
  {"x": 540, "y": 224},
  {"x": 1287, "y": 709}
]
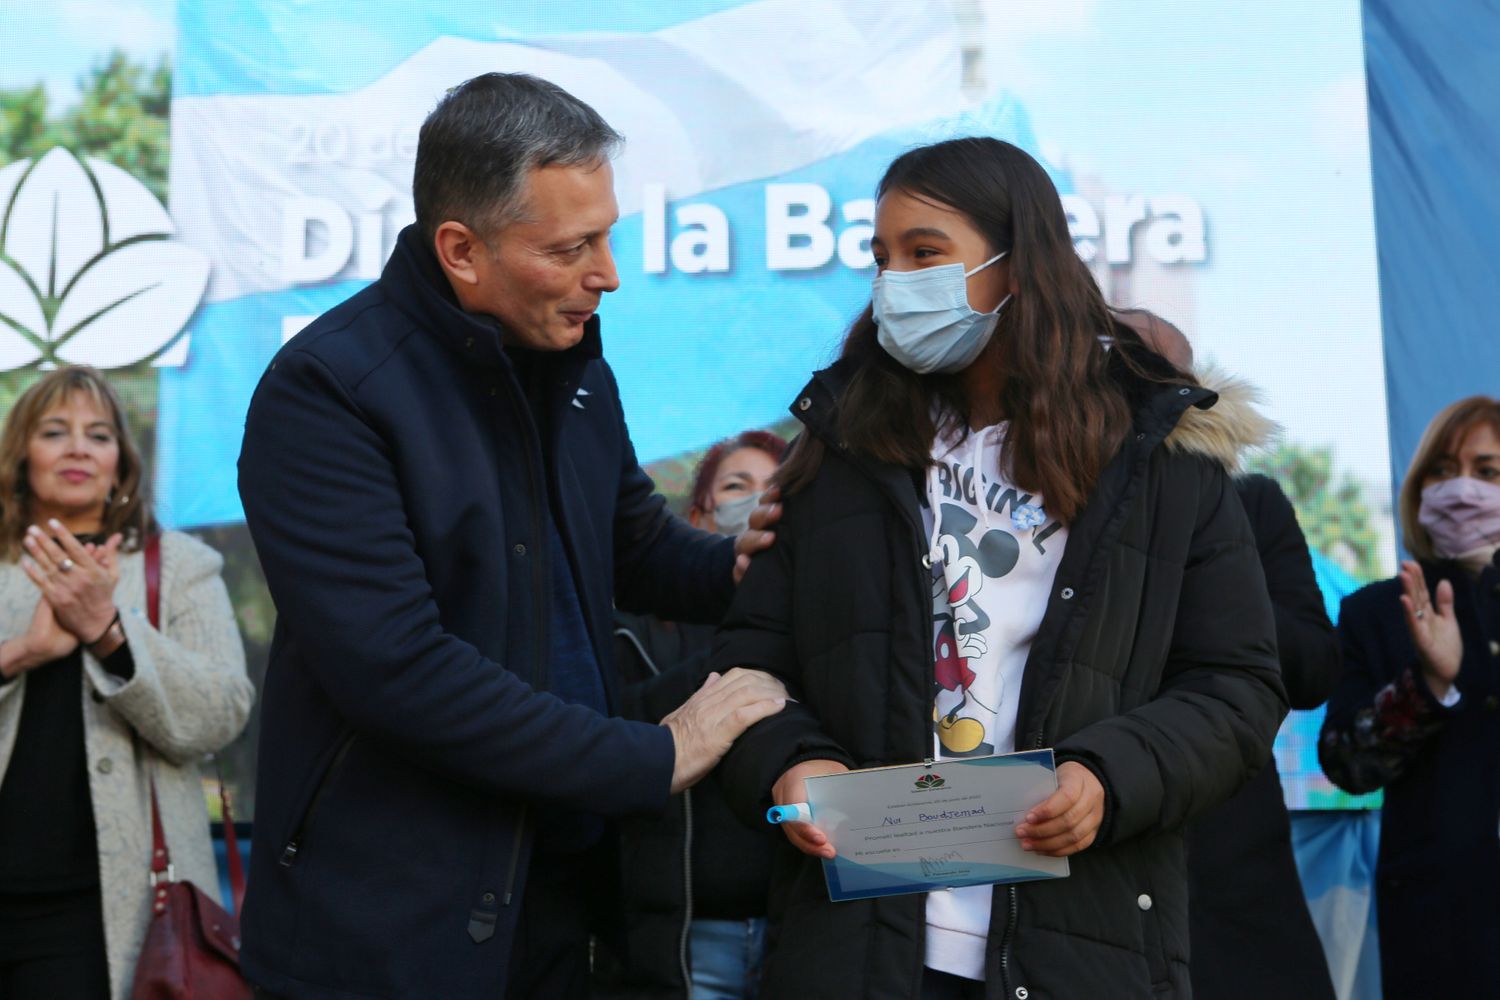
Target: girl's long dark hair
[{"x": 1067, "y": 414}]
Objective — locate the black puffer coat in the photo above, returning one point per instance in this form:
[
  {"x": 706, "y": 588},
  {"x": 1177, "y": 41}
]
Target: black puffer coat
[
  {"x": 1253, "y": 936},
  {"x": 696, "y": 861},
  {"x": 1155, "y": 666}
]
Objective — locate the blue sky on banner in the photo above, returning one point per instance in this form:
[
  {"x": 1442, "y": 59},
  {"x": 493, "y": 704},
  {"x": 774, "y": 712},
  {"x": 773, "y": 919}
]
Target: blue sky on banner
[
  {"x": 762, "y": 324},
  {"x": 1141, "y": 99},
  {"x": 333, "y": 46}
]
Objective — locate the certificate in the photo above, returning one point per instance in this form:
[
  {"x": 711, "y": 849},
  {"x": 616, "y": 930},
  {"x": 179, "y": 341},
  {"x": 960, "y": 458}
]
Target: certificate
[{"x": 920, "y": 827}]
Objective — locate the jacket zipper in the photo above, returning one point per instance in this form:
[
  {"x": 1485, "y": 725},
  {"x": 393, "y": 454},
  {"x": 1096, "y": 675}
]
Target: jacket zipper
[
  {"x": 930, "y": 738},
  {"x": 1013, "y": 910},
  {"x": 683, "y": 950},
  {"x": 515, "y": 857},
  {"x": 539, "y": 588},
  {"x": 294, "y": 843},
  {"x": 540, "y": 543},
  {"x": 1010, "y": 923}
]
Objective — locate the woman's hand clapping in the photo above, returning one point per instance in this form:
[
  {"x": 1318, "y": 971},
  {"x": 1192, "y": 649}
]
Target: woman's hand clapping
[
  {"x": 43, "y": 641},
  {"x": 1433, "y": 627},
  {"x": 76, "y": 581}
]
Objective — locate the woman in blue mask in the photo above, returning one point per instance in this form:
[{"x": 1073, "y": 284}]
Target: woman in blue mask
[{"x": 1008, "y": 525}]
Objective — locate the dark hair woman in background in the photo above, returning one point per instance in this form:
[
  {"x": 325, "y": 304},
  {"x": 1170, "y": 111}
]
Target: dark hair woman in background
[
  {"x": 1008, "y": 525},
  {"x": 1417, "y": 713}
]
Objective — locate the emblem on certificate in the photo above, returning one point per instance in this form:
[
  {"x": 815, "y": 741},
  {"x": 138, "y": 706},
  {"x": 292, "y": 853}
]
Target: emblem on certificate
[{"x": 938, "y": 825}]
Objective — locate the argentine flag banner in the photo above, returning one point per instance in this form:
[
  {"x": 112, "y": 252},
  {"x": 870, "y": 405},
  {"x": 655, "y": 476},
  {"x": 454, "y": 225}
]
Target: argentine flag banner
[
  {"x": 754, "y": 134},
  {"x": 1233, "y": 200}
]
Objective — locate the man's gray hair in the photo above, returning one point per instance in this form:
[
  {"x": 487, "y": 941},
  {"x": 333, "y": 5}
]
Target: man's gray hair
[{"x": 485, "y": 137}]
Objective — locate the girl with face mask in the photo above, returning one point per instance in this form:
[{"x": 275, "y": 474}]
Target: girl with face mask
[
  {"x": 1417, "y": 713},
  {"x": 693, "y": 901},
  {"x": 1007, "y": 525}
]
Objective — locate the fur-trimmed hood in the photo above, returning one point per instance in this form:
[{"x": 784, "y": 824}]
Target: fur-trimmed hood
[{"x": 1233, "y": 426}]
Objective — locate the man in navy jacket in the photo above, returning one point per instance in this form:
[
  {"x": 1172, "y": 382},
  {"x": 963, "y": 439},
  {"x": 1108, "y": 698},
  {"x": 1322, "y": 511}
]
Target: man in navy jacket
[{"x": 446, "y": 503}]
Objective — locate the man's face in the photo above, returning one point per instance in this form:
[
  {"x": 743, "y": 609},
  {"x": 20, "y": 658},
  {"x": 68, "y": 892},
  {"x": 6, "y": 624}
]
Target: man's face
[{"x": 543, "y": 275}]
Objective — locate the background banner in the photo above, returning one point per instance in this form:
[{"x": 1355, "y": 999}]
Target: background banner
[{"x": 266, "y": 172}]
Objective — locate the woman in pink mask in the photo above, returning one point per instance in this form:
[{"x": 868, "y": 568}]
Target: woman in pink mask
[{"x": 1417, "y": 713}]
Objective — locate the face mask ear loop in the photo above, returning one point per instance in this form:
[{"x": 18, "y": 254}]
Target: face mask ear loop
[
  {"x": 969, "y": 274},
  {"x": 981, "y": 267}
]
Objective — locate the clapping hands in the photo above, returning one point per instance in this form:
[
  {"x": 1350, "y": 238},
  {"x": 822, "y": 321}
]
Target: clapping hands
[{"x": 1433, "y": 627}]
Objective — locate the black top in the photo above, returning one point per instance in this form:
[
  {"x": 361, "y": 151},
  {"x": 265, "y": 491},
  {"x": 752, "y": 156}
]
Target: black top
[{"x": 47, "y": 839}]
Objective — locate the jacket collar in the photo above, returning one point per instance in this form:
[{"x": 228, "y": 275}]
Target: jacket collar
[{"x": 415, "y": 283}]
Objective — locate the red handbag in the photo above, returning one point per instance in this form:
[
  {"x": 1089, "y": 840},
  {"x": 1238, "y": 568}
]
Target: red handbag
[{"x": 192, "y": 947}]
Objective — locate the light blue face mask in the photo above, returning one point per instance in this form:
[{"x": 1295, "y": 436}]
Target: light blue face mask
[
  {"x": 732, "y": 517},
  {"x": 925, "y": 319}
]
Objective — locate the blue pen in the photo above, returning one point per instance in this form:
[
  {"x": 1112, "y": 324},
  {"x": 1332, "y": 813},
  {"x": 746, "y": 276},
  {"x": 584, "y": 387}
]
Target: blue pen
[{"x": 795, "y": 812}]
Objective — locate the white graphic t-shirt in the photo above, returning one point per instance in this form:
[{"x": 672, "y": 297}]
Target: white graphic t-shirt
[{"x": 995, "y": 551}]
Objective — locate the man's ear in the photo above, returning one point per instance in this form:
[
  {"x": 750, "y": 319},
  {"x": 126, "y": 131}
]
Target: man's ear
[{"x": 457, "y": 246}]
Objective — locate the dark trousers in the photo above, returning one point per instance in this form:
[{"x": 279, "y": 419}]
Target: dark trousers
[
  {"x": 549, "y": 959},
  {"x": 550, "y": 954},
  {"x": 52, "y": 946}
]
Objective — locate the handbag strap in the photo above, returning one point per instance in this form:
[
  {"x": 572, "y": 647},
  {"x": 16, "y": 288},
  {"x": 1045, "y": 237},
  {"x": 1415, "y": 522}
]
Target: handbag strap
[
  {"x": 162, "y": 874},
  {"x": 153, "y": 579},
  {"x": 161, "y": 862},
  {"x": 231, "y": 845}
]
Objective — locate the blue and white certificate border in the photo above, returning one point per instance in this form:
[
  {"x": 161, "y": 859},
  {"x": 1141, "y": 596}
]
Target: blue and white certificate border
[{"x": 901, "y": 878}]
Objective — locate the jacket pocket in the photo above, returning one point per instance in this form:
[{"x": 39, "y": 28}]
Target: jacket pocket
[{"x": 294, "y": 843}]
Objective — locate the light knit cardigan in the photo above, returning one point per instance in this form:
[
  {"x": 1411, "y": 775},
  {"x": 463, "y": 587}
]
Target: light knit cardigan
[{"x": 189, "y": 697}]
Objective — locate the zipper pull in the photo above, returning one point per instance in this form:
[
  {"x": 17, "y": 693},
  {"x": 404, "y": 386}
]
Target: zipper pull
[{"x": 289, "y": 853}]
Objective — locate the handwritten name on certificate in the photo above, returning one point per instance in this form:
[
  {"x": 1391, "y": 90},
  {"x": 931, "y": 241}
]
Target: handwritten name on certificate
[{"x": 920, "y": 827}]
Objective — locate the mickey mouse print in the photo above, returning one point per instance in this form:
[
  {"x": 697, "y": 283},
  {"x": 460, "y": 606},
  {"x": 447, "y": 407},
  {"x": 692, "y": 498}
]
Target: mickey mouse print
[{"x": 994, "y": 553}]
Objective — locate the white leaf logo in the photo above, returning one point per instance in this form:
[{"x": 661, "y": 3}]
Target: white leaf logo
[{"x": 88, "y": 274}]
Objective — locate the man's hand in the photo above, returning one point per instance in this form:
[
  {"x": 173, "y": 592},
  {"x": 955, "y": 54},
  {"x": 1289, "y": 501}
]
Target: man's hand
[
  {"x": 758, "y": 537},
  {"x": 1067, "y": 822},
  {"x": 704, "y": 726},
  {"x": 792, "y": 787}
]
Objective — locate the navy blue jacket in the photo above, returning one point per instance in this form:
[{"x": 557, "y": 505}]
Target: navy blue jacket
[
  {"x": 1437, "y": 880},
  {"x": 396, "y": 486}
]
